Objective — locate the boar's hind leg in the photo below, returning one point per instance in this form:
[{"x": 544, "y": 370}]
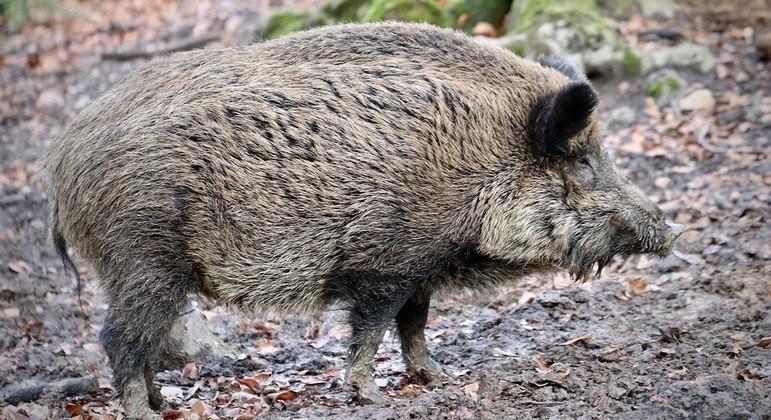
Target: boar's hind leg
[
  {"x": 142, "y": 311},
  {"x": 411, "y": 323}
]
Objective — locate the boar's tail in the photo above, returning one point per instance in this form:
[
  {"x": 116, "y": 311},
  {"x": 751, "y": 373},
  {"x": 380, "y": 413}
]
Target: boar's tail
[{"x": 60, "y": 245}]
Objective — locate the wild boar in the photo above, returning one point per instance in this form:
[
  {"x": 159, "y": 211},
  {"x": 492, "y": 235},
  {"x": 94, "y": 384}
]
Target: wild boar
[{"x": 361, "y": 165}]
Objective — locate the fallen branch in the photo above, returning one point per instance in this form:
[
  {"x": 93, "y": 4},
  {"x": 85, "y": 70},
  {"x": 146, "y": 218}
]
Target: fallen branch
[
  {"x": 184, "y": 45},
  {"x": 64, "y": 387}
]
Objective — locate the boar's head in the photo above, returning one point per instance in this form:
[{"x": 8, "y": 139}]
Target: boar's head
[{"x": 563, "y": 204}]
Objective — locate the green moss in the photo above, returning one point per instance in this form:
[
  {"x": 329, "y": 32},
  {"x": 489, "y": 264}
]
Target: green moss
[
  {"x": 345, "y": 10},
  {"x": 283, "y": 23},
  {"x": 526, "y": 15},
  {"x": 14, "y": 12},
  {"x": 631, "y": 63},
  {"x": 407, "y": 11},
  {"x": 662, "y": 87},
  {"x": 491, "y": 11},
  {"x": 518, "y": 49},
  {"x": 655, "y": 90}
]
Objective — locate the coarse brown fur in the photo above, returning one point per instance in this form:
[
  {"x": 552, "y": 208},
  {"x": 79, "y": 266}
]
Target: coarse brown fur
[{"x": 362, "y": 164}]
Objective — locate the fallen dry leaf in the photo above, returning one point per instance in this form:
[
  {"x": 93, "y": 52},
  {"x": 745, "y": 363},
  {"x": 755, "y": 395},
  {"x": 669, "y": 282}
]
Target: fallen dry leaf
[
  {"x": 636, "y": 286},
  {"x": 19, "y": 266},
  {"x": 286, "y": 395},
  {"x": 190, "y": 371},
  {"x": 540, "y": 365},
  {"x": 471, "y": 390},
  {"x": 485, "y": 29},
  {"x": 764, "y": 342},
  {"x": 582, "y": 341},
  {"x": 172, "y": 414}
]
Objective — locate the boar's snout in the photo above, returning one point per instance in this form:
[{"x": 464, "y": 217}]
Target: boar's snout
[{"x": 640, "y": 227}]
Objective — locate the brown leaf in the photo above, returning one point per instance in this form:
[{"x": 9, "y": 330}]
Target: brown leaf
[
  {"x": 251, "y": 383},
  {"x": 636, "y": 287},
  {"x": 764, "y": 342},
  {"x": 411, "y": 390},
  {"x": 190, "y": 371},
  {"x": 172, "y": 414},
  {"x": 19, "y": 266},
  {"x": 582, "y": 341},
  {"x": 541, "y": 366},
  {"x": 198, "y": 407},
  {"x": 286, "y": 395},
  {"x": 485, "y": 29},
  {"x": 471, "y": 390},
  {"x": 73, "y": 409}
]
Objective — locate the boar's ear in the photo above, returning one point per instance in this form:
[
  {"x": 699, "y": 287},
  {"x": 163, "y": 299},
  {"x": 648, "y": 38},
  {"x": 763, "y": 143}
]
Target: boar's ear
[{"x": 558, "y": 116}]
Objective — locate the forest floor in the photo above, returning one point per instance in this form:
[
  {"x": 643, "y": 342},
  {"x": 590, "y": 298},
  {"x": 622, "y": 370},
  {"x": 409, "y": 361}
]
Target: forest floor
[{"x": 688, "y": 336}]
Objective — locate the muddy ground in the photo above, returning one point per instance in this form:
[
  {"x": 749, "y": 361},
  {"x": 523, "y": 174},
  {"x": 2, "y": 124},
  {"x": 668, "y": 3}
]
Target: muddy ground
[{"x": 688, "y": 336}]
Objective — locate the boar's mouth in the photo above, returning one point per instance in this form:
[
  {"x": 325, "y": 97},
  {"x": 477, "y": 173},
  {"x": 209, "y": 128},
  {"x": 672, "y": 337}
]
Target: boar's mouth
[
  {"x": 589, "y": 252},
  {"x": 593, "y": 247}
]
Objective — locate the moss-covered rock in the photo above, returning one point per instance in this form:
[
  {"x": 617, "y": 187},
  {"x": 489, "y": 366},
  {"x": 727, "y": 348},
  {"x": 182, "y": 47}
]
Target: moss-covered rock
[
  {"x": 664, "y": 85},
  {"x": 467, "y": 13},
  {"x": 631, "y": 63},
  {"x": 527, "y": 15},
  {"x": 283, "y": 23},
  {"x": 407, "y": 11}
]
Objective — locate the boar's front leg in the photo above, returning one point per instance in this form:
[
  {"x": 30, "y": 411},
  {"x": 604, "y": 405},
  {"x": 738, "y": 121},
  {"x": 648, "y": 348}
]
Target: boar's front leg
[
  {"x": 375, "y": 300},
  {"x": 411, "y": 323}
]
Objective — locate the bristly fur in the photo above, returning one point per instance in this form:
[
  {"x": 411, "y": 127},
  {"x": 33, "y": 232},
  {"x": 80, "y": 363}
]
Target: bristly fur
[{"x": 364, "y": 164}]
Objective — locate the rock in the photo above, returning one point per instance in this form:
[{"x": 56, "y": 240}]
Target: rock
[
  {"x": 685, "y": 55},
  {"x": 664, "y": 85},
  {"x": 731, "y": 116},
  {"x": 763, "y": 41},
  {"x": 631, "y": 63},
  {"x": 558, "y": 27},
  {"x": 513, "y": 42},
  {"x": 485, "y": 29},
  {"x": 663, "y": 8},
  {"x": 407, "y": 11},
  {"x": 619, "y": 117},
  {"x": 605, "y": 61},
  {"x": 577, "y": 60},
  {"x": 700, "y": 99},
  {"x": 50, "y": 99},
  {"x": 192, "y": 340},
  {"x": 468, "y": 13}
]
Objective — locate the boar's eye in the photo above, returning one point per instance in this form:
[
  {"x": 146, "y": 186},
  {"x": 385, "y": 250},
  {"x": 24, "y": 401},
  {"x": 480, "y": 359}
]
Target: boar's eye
[{"x": 582, "y": 172}]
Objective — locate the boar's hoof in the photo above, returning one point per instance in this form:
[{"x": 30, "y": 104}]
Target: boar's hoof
[
  {"x": 366, "y": 392},
  {"x": 135, "y": 401},
  {"x": 155, "y": 398},
  {"x": 430, "y": 375}
]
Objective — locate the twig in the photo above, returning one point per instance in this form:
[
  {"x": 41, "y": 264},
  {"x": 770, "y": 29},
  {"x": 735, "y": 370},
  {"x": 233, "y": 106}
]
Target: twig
[
  {"x": 64, "y": 387},
  {"x": 531, "y": 402},
  {"x": 184, "y": 45}
]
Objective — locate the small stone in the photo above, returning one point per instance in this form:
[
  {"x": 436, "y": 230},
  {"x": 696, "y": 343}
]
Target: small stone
[
  {"x": 663, "y": 8},
  {"x": 664, "y": 85},
  {"x": 485, "y": 29},
  {"x": 685, "y": 55},
  {"x": 731, "y": 116},
  {"x": 620, "y": 117},
  {"x": 50, "y": 99},
  {"x": 701, "y": 99},
  {"x": 605, "y": 61}
]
